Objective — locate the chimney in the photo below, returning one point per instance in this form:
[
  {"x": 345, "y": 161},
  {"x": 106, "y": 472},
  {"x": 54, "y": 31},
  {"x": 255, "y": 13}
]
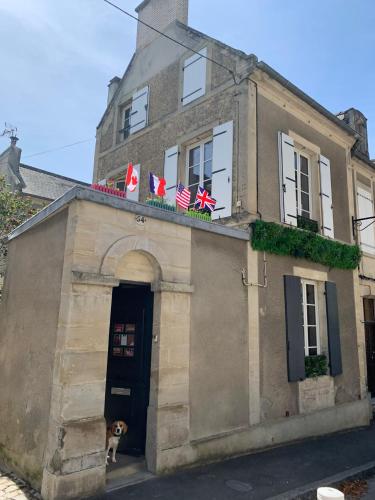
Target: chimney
[
  {"x": 159, "y": 14},
  {"x": 112, "y": 87},
  {"x": 358, "y": 122}
]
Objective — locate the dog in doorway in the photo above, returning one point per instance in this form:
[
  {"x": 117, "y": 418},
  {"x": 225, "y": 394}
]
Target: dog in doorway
[{"x": 114, "y": 433}]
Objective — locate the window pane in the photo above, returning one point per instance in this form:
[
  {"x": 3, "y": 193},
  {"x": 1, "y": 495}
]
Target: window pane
[
  {"x": 207, "y": 169},
  {"x": 305, "y": 202},
  {"x": 313, "y": 351},
  {"x": 304, "y": 183},
  {"x": 311, "y": 316},
  {"x": 312, "y": 336},
  {"x": 310, "y": 294},
  {"x": 194, "y": 156},
  {"x": 193, "y": 190},
  {"x": 194, "y": 175},
  {"x": 120, "y": 185},
  {"x": 208, "y": 151},
  {"x": 304, "y": 163},
  {"x": 207, "y": 186}
]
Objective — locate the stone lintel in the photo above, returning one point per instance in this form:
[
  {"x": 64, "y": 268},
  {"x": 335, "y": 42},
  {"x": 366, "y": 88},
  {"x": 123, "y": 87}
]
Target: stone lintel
[
  {"x": 84, "y": 278},
  {"x": 167, "y": 286}
]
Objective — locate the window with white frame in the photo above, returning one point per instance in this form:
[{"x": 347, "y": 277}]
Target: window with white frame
[
  {"x": 126, "y": 122},
  {"x": 303, "y": 184},
  {"x": 310, "y": 317},
  {"x": 199, "y": 167}
]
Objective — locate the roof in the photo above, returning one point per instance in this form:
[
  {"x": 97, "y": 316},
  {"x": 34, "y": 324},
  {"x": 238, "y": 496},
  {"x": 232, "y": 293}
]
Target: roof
[
  {"x": 100, "y": 198},
  {"x": 47, "y": 185}
]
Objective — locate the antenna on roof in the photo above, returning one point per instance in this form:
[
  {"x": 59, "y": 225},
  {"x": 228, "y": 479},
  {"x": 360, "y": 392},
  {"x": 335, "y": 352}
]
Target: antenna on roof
[{"x": 11, "y": 132}]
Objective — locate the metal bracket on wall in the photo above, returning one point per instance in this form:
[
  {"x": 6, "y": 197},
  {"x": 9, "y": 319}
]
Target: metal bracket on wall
[{"x": 357, "y": 223}]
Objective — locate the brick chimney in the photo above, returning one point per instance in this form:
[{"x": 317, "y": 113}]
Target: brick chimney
[{"x": 159, "y": 14}]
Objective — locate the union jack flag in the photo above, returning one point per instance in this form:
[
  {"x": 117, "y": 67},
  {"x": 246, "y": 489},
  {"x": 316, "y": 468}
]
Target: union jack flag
[
  {"x": 204, "y": 201},
  {"x": 183, "y": 196}
]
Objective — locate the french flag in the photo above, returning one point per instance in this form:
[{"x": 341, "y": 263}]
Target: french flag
[{"x": 157, "y": 185}]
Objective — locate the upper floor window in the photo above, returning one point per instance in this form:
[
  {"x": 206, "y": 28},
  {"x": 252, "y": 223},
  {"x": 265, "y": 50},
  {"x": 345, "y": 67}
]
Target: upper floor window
[
  {"x": 300, "y": 185},
  {"x": 365, "y": 209},
  {"x": 199, "y": 167},
  {"x": 126, "y": 122},
  {"x": 310, "y": 318},
  {"x": 303, "y": 189},
  {"x": 195, "y": 72},
  {"x": 133, "y": 116}
]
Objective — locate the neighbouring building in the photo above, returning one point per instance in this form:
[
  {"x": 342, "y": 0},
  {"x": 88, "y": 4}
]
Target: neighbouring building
[
  {"x": 361, "y": 195},
  {"x": 209, "y": 339},
  {"x": 38, "y": 185}
]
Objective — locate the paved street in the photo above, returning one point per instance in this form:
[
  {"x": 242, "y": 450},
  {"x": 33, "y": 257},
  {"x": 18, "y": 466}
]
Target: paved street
[
  {"x": 264, "y": 475},
  {"x": 13, "y": 488}
]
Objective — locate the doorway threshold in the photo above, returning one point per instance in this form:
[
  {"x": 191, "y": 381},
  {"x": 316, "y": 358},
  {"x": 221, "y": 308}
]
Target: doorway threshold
[{"x": 126, "y": 472}]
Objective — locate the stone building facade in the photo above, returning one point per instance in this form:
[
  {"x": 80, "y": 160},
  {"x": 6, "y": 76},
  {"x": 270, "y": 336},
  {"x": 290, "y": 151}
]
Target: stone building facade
[
  {"x": 178, "y": 326},
  {"x": 40, "y": 186}
]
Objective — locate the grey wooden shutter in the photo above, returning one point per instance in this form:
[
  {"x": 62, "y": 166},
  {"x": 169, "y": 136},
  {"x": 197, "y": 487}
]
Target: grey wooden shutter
[
  {"x": 326, "y": 196},
  {"x": 222, "y": 160},
  {"x": 294, "y": 328},
  {"x": 288, "y": 203},
  {"x": 170, "y": 173},
  {"x": 139, "y": 111},
  {"x": 366, "y": 232},
  {"x": 195, "y": 70},
  {"x": 333, "y": 326},
  {"x": 134, "y": 196}
]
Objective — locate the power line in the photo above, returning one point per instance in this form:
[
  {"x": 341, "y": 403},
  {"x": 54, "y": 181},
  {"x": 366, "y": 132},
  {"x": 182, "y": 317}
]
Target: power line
[
  {"x": 232, "y": 73},
  {"x": 59, "y": 148}
]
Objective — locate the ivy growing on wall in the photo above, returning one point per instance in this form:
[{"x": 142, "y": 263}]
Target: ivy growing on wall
[{"x": 280, "y": 240}]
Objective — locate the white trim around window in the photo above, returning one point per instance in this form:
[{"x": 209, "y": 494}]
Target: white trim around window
[
  {"x": 310, "y": 317},
  {"x": 199, "y": 166}
]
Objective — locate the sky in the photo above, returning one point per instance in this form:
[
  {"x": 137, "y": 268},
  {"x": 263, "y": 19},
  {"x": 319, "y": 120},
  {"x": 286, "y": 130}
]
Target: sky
[{"x": 57, "y": 57}]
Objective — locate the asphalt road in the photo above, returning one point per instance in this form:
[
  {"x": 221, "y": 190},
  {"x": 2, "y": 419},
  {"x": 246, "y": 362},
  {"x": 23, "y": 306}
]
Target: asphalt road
[{"x": 262, "y": 475}]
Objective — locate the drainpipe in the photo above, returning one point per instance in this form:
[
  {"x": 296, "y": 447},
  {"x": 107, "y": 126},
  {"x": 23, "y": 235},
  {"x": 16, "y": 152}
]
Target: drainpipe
[{"x": 265, "y": 281}]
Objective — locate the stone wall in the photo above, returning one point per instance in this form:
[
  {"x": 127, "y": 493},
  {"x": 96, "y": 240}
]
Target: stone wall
[{"x": 28, "y": 327}]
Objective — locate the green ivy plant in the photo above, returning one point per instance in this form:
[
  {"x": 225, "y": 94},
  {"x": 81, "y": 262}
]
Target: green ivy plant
[
  {"x": 316, "y": 366},
  {"x": 281, "y": 240},
  {"x": 14, "y": 209}
]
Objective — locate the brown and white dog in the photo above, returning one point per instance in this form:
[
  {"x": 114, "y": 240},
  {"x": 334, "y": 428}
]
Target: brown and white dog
[{"x": 114, "y": 433}]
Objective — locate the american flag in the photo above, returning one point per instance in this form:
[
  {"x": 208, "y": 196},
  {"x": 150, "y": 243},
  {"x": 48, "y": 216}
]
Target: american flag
[
  {"x": 204, "y": 201},
  {"x": 183, "y": 196}
]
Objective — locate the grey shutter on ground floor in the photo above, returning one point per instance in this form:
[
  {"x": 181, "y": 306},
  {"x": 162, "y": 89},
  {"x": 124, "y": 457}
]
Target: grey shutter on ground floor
[
  {"x": 294, "y": 328},
  {"x": 326, "y": 196},
  {"x": 170, "y": 173},
  {"x": 333, "y": 327},
  {"x": 139, "y": 112},
  {"x": 134, "y": 196},
  {"x": 222, "y": 160},
  {"x": 288, "y": 203}
]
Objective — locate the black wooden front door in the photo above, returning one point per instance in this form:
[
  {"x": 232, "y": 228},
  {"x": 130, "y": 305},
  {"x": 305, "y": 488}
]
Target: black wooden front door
[
  {"x": 129, "y": 360},
  {"x": 369, "y": 313}
]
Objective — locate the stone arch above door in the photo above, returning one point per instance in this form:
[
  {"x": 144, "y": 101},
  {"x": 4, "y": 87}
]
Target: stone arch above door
[{"x": 140, "y": 252}]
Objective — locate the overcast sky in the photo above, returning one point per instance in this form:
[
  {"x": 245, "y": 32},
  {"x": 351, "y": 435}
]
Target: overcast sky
[{"x": 58, "y": 56}]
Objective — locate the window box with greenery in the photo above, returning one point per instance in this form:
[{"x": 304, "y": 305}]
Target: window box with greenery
[
  {"x": 159, "y": 202},
  {"x": 281, "y": 240},
  {"x": 316, "y": 366},
  {"x": 196, "y": 214}
]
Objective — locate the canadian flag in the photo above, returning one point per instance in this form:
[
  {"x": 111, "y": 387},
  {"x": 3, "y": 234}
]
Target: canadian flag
[{"x": 132, "y": 178}]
